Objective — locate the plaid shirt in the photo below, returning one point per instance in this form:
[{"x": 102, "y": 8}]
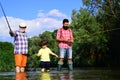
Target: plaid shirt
[
  {"x": 20, "y": 43},
  {"x": 64, "y": 34}
]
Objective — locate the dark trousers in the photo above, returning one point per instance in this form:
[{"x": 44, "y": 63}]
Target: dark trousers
[{"x": 45, "y": 65}]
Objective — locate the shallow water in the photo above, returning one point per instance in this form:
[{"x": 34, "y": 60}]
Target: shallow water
[{"x": 77, "y": 74}]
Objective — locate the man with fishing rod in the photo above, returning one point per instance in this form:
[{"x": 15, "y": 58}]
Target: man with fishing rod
[
  {"x": 20, "y": 44},
  {"x": 20, "y": 47}
]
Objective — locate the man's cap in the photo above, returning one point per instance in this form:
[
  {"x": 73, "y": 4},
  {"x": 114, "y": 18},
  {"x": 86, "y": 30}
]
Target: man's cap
[{"x": 22, "y": 24}]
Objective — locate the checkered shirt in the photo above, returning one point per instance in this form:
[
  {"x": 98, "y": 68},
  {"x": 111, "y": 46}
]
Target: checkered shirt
[
  {"x": 20, "y": 43},
  {"x": 64, "y": 34}
]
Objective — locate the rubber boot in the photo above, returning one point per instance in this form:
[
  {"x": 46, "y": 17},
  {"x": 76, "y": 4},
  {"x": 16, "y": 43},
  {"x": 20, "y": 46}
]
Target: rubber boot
[
  {"x": 17, "y": 69},
  {"x": 59, "y": 65},
  {"x": 70, "y": 65}
]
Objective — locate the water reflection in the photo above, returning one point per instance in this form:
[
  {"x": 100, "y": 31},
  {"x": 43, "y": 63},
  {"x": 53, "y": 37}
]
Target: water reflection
[
  {"x": 44, "y": 76},
  {"x": 66, "y": 76},
  {"x": 21, "y": 76},
  {"x": 83, "y": 74}
]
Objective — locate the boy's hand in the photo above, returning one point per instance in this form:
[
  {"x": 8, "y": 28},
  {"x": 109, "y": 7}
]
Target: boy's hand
[
  {"x": 56, "y": 56},
  {"x": 36, "y": 54}
]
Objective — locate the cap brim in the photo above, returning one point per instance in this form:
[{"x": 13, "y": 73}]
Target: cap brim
[{"x": 22, "y": 26}]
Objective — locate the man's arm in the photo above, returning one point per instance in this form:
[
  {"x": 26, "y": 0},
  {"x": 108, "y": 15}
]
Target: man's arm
[
  {"x": 66, "y": 40},
  {"x": 62, "y": 40}
]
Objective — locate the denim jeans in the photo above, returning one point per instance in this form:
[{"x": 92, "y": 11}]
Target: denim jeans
[{"x": 66, "y": 51}]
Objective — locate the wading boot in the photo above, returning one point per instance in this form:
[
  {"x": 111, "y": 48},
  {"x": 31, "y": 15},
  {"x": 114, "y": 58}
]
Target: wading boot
[
  {"x": 59, "y": 65},
  {"x": 70, "y": 65}
]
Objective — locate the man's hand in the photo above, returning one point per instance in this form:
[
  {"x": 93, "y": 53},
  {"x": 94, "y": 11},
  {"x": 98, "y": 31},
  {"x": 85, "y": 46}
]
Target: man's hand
[
  {"x": 70, "y": 40},
  {"x": 11, "y": 33}
]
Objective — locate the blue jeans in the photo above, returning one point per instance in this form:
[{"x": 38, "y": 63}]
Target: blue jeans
[{"x": 65, "y": 51}]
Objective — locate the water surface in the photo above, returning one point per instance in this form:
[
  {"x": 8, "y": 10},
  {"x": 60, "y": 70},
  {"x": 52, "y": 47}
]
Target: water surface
[{"x": 77, "y": 74}]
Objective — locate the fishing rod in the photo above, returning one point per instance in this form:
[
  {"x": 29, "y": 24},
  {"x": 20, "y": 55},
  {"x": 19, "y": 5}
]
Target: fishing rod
[{"x": 5, "y": 16}]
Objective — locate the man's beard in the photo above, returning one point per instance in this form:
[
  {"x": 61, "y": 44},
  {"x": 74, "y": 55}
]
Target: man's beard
[{"x": 65, "y": 27}]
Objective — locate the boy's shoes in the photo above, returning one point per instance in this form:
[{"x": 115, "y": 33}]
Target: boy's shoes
[{"x": 44, "y": 70}]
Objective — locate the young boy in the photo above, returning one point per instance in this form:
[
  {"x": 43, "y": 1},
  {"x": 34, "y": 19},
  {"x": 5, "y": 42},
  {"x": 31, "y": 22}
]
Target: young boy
[{"x": 45, "y": 52}]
